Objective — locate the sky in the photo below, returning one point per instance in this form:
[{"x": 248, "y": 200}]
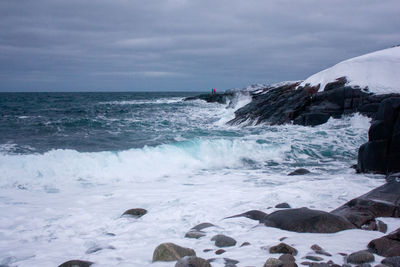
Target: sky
[{"x": 183, "y": 45}]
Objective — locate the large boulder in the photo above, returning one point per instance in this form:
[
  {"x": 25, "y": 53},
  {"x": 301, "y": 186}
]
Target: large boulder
[
  {"x": 386, "y": 246},
  {"x": 304, "y": 220},
  {"x": 380, "y": 202},
  {"x": 381, "y": 154},
  {"x": 171, "y": 252}
]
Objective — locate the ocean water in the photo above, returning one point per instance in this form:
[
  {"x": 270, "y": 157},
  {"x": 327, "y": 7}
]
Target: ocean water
[{"x": 72, "y": 163}]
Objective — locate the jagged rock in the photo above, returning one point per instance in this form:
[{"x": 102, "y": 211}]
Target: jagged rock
[
  {"x": 282, "y": 206},
  {"x": 137, "y": 213},
  {"x": 304, "y": 220},
  {"x": 379, "y": 202},
  {"x": 76, "y": 263},
  {"x": 223, "y": 241},
  {"x": 192, "y": 261},
  {"x": 392, "y": 261},
  {"x": 171, "y": 252},
  {"x": 272, "y": 262},
  {"x": 212, "y": 98},
  {"x": 382, "y": 227},
  {"x": 386, "y": 246},
  {"x": 300, "y": 171},
  {"x": 360, "y": 257},
  {"x": 283, "y": 248},
  {"x": 252, "y": 214}
]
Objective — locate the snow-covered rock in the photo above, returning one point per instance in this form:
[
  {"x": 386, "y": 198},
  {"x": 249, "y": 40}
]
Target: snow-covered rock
[{"x": 378, "y": 72}]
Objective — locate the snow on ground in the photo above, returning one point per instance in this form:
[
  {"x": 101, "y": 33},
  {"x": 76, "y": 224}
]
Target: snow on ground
[{"x": 379, "y": 71}]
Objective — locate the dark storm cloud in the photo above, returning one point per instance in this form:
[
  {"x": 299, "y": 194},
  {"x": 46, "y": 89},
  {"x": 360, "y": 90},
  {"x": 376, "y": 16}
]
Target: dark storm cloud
[{"x": 182, "y": 44}]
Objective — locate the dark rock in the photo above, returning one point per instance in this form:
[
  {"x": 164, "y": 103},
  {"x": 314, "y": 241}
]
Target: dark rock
[
  {"x": 392, "y": 261},
  {"x": 230, "y": 262},
  {"x": 272, "y": 262},
  {"x": 282, "y": 206},
  {"x": 137, "y": 213},
  {"x": 312, "y": 119},
  {"x": 319, "y": 264},
  {"x": 386, "y": 246},
  {"x": 304, "y": 220},
  {"x": 192, "y": 261},
  {"x": 223, "y": 241},
  {"x": 338, "y": 83},
  {"x": 382, "y": 265},
  {"x": 314, "y": 258},
  {"x": 382, "y": 227},
  {"x": 171, "y": 252},
  {"x": 245, "y": 244},
  {"x": 202, "y": 226},
  {"x": 360, "y": 257},
  {"x": 252, "y": 214},
  {"x": 307, "y": 263},
  {"x": 98, "y": 248},
  {"x": 300, "y": 171},
  {"x": 379, "y": 202},
  {"x": 220, "y": 251},
  {"x": 282, "y": 238},
  {"x": 76, "y": 263},
  {"x": 287, "y": 258},
  {"x": 212, "y": 98},
  {"x": 365, "y": 265},
  {"x": 195, "y": 234},
  {"x": 207, "y": 250},
  {"x": 284, "y": 249}
]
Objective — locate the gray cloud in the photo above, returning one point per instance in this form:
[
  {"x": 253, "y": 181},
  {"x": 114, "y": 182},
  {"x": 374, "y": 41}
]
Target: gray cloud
[{"x": 183, "y": 44}]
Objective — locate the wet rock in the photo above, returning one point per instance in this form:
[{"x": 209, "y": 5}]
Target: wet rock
[
  {"x": 383, "y": 201},
  {"x": 392, "y": 261},
  {"x": 319, "y": 264},
  {"x": 283, "y": 248},
  {"x": 282, "y": 238},
  {"x": 76, "y": 263},
  {"x": 382, "y": 227},
  {"x": 381, "y": 154},
  {"x": 171, "y": 252},
  {"x": 207, "y": 250},
  {"x": 313, "y": 258},
  {"x": 212, "y": 98},
  {"x": 365, "y": 265},
  {"x": 386, "y": 246},
  {"x": 360, "y": 257},
  {"x": 195, "y": 234},
  {"x": 317, "y": 249},
  {"x": 300, "y": 171},
  {"x": 272, "y": 262},
  {"x": 202, "y": 226},
  {"x": 220, "y": 251},
  {"x": 192, "y": 261},
  {"x": 252, "y": 214},
  {"x": 245, "y": 244},
  {"x": 304, "y": 220},
  {"x": 137, "y": 213},
  {"x": 230, "y": 262},
  {"x": 282, "y": 206},
  {"x": 223, "y": 241},
  {"x": 287, "y": 258}
]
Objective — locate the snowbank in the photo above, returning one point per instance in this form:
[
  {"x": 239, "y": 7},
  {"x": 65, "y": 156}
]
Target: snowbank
[{"x": 379, "y": 71}]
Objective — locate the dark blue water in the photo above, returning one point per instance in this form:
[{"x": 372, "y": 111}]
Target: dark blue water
[{"x": 88, "y": 122}]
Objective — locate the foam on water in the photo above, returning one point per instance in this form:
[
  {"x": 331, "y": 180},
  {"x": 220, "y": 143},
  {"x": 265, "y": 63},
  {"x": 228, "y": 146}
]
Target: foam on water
[{"x": 64, "y": 204}]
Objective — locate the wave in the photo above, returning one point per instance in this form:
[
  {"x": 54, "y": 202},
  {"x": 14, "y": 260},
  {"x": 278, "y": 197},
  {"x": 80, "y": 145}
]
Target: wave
[{"x": 169, "y": 100}]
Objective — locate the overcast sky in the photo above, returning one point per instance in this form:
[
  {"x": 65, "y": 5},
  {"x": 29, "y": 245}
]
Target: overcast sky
[{"x": 158, "y": 45}]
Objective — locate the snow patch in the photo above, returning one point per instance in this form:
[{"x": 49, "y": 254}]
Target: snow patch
[{"x": 378, "y": 71}]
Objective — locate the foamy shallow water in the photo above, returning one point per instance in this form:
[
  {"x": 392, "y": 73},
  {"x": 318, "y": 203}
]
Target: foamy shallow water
[{"x": 57, "y": 205}]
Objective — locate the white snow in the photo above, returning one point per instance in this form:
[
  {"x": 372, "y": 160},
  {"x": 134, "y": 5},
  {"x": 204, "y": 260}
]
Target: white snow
[{"x": 379, "y": 71}]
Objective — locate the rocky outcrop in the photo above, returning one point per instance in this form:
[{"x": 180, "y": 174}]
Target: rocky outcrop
[
  {"x": 386, "y": 246},
  {"x": 304, "y": 220},
  {"x": 381, "y": 154},
  {"x": 213, "y": 98},
  {"x": 307, "y": 105},
  {"x": 383, "y": 201}
]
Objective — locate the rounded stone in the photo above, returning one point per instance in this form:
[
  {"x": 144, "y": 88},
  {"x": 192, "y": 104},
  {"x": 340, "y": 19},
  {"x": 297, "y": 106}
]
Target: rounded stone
[
  {"x": 284, "y": 249},
  {"x": 360, "y": 257},
  {"x": 137, "y": 212},
  {"x": 76, "y": 263},
  {"x": 223, "y": 241},
  {"x": 171, "y": 252},
  {"x": 192, "y": 261},
  {"x": 272, "y": 262}
]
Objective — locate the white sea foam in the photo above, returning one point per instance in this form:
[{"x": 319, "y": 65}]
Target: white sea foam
[
  {"x": 58, "y": 205},
  {"x": 169, "y": 100}
]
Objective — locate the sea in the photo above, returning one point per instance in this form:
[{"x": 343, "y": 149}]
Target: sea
[{"x": 72, "y": 163}]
